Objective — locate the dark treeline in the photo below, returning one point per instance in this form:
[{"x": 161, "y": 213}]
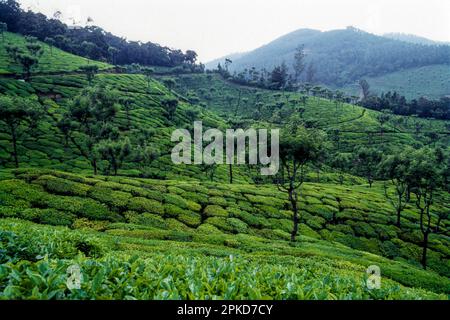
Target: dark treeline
[
  {"x": 397, "y": 104},
  {"x": 91, "y": 42}
]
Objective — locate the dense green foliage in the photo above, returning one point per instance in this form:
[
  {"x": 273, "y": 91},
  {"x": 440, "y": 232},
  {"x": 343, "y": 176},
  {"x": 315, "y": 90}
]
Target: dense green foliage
[
  {"x": 91, "y": 42},
  {"x": 141, "y": 227}
]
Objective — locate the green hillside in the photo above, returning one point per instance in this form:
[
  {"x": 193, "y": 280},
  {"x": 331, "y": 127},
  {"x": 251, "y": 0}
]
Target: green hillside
[
  {"x": 341, "y": 58},
  {"x": 53, "y": 60},
  {"x": 157, "y": 230},
  {"x": 430, "y": 81}
]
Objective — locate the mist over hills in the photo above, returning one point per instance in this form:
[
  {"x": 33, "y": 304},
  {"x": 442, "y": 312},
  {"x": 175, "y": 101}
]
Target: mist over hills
[{"x": 342, "y": 57}]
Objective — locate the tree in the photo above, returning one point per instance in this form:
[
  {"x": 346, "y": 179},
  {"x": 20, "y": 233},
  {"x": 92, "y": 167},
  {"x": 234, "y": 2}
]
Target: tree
[
  {"x": 299, "y": 61},
  {"x": 112, "y": 51},
  {"x": 279, "y": 77},
  {"x": 28, "y": 62},
  {"x": 16, "y": 113},
  {"x": 169, "y": 83},
  {"x": 383, "y": 117},
  {"x": 395, "y": 168},
  {"x": 89, "y": 49},
  {"x": 298, "y": 149},
  {"x": 126, "y": 102},
  {"x": 13, "y": 52},
  {"x": 35, "y": 49},
  {"x": 191, "y": 56},
  {"x": 310, "y": 73},
  {"x": 89, "y": 121},
  {"x": 3, "y": 29},
  {"x": 90, "y": 71},
  {"x": 341, "y": 162},
  {"x": 114, "y": 152},
  {"x": 367, "y": 161},
  {"x": 170, "y": 105},
  {"x": 144, "y": 155},
  {"x": 148, "y": 75},
  {"x": 365, "y": 88},
  {"x": 426, "y": 172},
  {"x": 51, "y": 43}
]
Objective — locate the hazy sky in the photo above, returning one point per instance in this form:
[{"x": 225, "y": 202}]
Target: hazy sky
[{"x": 214, "y": 28}]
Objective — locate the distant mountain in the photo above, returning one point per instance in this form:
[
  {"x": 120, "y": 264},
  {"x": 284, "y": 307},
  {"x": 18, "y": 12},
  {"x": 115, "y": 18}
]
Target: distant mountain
[
  {"x": 233, "y": 56},
  {"x": 343, "y": 56},
  {"x": 413, "y": 39}
]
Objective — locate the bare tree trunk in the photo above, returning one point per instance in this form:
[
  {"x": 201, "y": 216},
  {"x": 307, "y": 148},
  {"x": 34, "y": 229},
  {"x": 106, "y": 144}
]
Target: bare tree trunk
[
  {"x": 14, "y": 142},
  {"x": 424, "y": 252},
  {"x": 295, "y": 219},
  {"x": 231, "y": 173}
]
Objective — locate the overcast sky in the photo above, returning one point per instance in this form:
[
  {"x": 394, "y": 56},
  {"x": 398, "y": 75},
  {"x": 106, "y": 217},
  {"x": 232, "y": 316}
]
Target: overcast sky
[{"x": 214, "y": 28}]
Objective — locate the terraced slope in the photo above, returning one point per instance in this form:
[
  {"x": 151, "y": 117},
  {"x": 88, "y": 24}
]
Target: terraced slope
[
  {"x": 356, "y": 126},
  {"x": 47, "y": 146},
  {"x": 181, "y": 211},
  {"x": 53, "y": 60}
]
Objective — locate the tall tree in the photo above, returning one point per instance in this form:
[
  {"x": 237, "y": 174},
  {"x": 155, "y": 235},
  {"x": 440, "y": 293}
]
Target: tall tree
[
  {"x": 395, "y": 168},
  {"x": 3, "y": 29},
  {"x": 367, "y": 161},
  {"x": 89, "y": 121},
  {"x": 427, "y": 174},
  {"x": 298, "y": 149},
  {"x": 90, "y": 71},
  {"x": 19, "y": 115},
  {"x": 51, "y": 43},
  {"x": 299, "y": 61},
  {"x": 365, "y": 89}
]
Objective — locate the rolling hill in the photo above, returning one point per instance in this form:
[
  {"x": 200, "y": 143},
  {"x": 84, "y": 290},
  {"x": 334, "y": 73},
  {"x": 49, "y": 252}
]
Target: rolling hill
[
  {"x": 343, "y": 57},
  {"x": 164, "y": 231}
]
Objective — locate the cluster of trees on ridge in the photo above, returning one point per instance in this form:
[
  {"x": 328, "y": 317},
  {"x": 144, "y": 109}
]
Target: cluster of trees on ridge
[{"x": 90, "y": 41}]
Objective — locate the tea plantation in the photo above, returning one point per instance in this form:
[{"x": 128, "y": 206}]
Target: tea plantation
[{"x": 156, "y": 230}]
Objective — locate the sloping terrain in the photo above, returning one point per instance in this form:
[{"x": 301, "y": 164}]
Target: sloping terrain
[
  {"x": 53, "y": 60},
  {"x": 343, "y": 57},
  {"x": 165, "y": 231},
  {"x": 148, "y": 217}
]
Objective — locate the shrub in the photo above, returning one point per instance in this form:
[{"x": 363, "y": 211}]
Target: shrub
[
  {"x": 171, "y": 210},
  {"x": 207, "y": 228},
  {"x": 304, "y": 230},
  {"x": 148, "y": 219},
  {"x": 114, "y": 199},
  {"x": 84, "y": 223},
  {"x": 363, "y": 229},
  {"x": 282, "y": 224},
  {"x": 215, "y": 211},
  {"x": 344, "y": 228},
  {"x": 237, "y": 225},
  {"x": 191, "y": 219},
  {"x": 218, "y": 201},
  {"x": 176, "y": 200},
  {"x": 63, "y": 187},
  {"x": 140, "y": 204},
  {"x": 389, "y": 250},
  {"x": 248, "y": 218},
  {"x": 55, "y": 218}
]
